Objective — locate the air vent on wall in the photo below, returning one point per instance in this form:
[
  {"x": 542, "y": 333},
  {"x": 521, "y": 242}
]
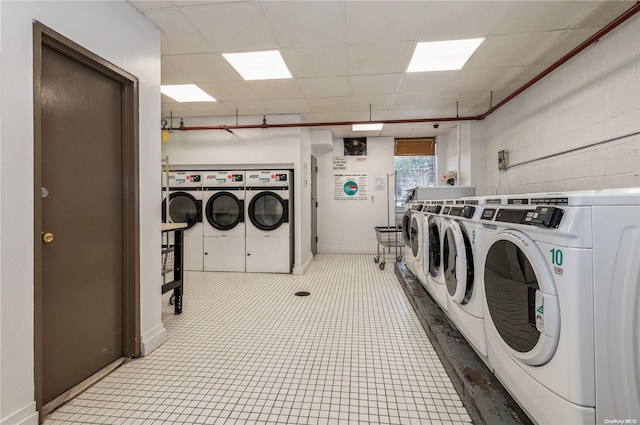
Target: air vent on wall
[{"x": 355, "y": 146}]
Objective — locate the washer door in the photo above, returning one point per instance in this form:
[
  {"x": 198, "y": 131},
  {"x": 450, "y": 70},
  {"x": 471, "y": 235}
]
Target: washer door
[
  {"x": 224, "y": 211},
  {"x": 406, "y": 228},
  {"x": 434, "y": 247},
  {"x": 415, "y": 236},
  {"x": 458, "y": 263},
  {"x": 268, "y": 211},
  {"x": 183, "y": 208},
  {"x": 522, "y": 301}
]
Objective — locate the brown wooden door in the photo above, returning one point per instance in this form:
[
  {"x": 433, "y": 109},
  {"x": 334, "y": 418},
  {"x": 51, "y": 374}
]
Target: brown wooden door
[{"x": 82, "y": 177}]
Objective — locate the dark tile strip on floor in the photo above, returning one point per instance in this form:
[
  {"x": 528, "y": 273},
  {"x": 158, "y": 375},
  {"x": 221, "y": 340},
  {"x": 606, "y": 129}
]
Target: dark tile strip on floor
[{"x": 482, "y": 394}]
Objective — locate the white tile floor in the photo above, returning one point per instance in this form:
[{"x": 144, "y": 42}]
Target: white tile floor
[{"x": 247, "y": 351}]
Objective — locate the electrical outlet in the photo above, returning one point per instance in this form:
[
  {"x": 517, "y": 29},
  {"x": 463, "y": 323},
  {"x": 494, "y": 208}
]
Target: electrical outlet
[{"x": 503, "y": 159}]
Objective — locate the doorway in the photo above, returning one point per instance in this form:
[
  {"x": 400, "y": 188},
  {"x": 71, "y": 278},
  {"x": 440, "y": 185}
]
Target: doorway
[
  {"x": 86, "y": 247},
  {"x": 314, "y": 205}
]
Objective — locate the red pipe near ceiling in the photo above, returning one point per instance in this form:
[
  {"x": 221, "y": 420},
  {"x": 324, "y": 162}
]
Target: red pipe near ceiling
[{"x": 594, "y": 38}]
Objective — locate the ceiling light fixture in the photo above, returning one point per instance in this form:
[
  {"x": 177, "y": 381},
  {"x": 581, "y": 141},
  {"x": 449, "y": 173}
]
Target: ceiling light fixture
[
  {"x": 367, "y": 127},
  {"x": 443, "y": 55},
  {"x": 186, "y": 93},
  {"x": 266, "y": 65}
]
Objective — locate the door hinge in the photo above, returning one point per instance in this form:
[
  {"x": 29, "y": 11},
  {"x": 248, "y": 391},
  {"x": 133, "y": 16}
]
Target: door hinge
[
  {"x": 316, "y": 204},
  {"x": 316, "y": 239}
]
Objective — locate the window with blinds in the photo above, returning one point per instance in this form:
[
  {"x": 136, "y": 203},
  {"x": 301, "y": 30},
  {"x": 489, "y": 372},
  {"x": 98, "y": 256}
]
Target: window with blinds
[{"x": 422, "y": 146}]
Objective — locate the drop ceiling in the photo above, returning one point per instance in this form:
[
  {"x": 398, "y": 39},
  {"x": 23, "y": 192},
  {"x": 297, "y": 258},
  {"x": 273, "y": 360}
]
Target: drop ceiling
[{"x": 348, "y": 58}]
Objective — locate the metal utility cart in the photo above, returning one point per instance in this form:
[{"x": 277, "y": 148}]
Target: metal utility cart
[
  {"x": 388, "y": 237},
  {"x": 172, "y": 256}
]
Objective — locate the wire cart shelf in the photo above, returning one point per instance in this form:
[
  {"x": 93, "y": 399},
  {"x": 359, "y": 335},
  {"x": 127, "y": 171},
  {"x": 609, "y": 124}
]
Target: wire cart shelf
[{"x": 388, "y": 237}]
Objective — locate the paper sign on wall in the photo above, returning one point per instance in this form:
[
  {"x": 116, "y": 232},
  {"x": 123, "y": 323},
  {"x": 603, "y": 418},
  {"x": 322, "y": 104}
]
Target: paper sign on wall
[
  {"x": 350, "y": 187},
  {"x": 339, "y": 162}
]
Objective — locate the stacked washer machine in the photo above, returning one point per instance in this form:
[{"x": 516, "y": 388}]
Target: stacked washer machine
[
  {"x": 185, "y": 206},
  {"x": 269, "y": 228},
  {"x": 562, "y": 284},
  {"x": 417, "y": 241},
  {"x": 224, "y": 224}
]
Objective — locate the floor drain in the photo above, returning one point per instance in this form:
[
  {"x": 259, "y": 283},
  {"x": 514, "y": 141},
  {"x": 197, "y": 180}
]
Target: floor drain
[{"x": 302, "y": 294}]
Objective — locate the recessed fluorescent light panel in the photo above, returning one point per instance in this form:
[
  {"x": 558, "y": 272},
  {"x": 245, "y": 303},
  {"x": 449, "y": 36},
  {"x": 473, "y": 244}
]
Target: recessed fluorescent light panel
[
  {"x": 367, "y": 127},
  {"x": 267, "y": 65},
  {"x": 443, "y": 55},
  {"x": 186, "y": 93}
]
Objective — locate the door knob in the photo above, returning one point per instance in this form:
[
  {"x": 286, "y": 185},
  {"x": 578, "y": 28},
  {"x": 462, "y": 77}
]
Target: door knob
[{"x": 47, "y": 237}]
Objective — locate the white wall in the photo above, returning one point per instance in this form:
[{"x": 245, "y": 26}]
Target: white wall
[
  {"x": 288, "y": 148},
  {"x": 348, "y": 226},
  {"x": 121, "y": 35},
  {"x": 592, "y": 98},
  {"x": 469, "y": 139}
]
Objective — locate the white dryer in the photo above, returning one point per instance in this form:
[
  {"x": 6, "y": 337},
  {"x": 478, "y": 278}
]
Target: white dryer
[
  {"x": 561, "y": 278},
  {"x": 269, "y": 225},
  {"x": 185, "y": 206},
  {"x": 224, "y": 220},
  {"x": 462, "y": 268}
]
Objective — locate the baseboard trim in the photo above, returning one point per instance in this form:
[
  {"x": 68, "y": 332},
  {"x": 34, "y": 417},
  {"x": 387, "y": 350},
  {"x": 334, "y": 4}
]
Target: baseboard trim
[
  {"x": 25, "y": 416},
  {"x": 153, "y": 339}
]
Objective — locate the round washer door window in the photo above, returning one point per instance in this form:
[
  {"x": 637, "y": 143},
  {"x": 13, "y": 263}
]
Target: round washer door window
[
  {"x": 406, "y": 228},
  {"x": 458, "y": 263},
  {"x": 415, "y": 237},
  {"x": 224, "y": 211},
  {"x": 267, "y": 211},
  {"x": 183, "y": 208},
  {"x": 521, "y": 298},
  {"x": 434, "y": 248}
]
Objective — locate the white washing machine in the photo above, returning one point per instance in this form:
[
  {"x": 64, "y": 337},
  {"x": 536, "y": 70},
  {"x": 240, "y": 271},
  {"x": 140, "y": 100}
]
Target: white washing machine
[
  {"x": 224, "y": 220},
  {"x": 409, "y": 228},
  {"x": 417, "y": 241},
  {"x": 562, "y": 291},
  {"x": 269, "y": 224},
  {"x": 434, "y": 233},
  {"x": 185, "y": 206},
  {"x": 462, "y": 268}
]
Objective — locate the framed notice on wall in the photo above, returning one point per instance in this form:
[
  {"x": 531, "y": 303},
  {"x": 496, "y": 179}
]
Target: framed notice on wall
[{"x": 350, "y": 187}]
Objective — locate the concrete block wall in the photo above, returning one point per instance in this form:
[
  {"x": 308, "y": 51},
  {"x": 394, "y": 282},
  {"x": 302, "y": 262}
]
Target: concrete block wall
[{"x": 578, "y": 128}]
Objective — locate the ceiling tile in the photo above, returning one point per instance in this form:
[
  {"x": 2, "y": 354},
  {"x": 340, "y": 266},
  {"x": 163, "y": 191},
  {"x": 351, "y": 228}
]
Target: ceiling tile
[
  {"x": 247, "y": 107},
  {"x": 287, "y": 106},
  {"x": 418, "y": 101},
  {"x": 532, "y": 16},
  {"x": 317, "y": 62},
  {"x": 426, "y": 82},
  {"x": 483, "y": 79},
  {"x": 383, "y": 21},
  {"x": 602, "y": 13},
  {"x": 149, "y": 5},
  {"x": 458, "y": 20},
  {"x": 203, "y": 67},
  {"x": 382, "y": 58},
  {"x": 325, "y": 87},
  {"x": 232, "y": 27},
  {"x": 465, "y": 100},
  {"x": 323, "y": 104},
  {"x": 379, "y": 104},
  {"x": 179, "y": 36},
  {"x": 511, "y": 50},
  {"x": 306, "y": 24},
  {"x": 274, "y": 89},
  {"x": 375, "y": 84},
  {"x": 229, "y": 90},
  {"x": 170, "y": 75}
]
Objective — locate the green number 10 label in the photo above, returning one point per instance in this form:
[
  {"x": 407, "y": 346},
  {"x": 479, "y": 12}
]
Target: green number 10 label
[{"x": 556, "y": 257}]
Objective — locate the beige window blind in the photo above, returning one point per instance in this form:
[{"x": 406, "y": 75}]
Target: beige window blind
[{"x": 416, "y": 146}]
